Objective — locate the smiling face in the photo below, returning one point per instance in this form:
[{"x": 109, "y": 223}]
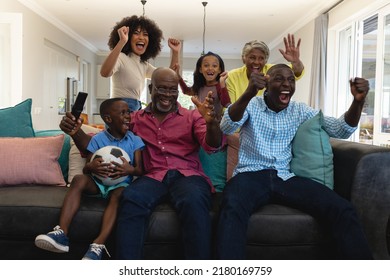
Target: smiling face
[
  {"x": 210, "y": 69},
  {"x": 254, "y": 61},
  {"x": 164, "y": 90},
  {"x": 118, "y": 119},
  {"x": 280, "y": 87},
  {"x": 139, "y": 41}
]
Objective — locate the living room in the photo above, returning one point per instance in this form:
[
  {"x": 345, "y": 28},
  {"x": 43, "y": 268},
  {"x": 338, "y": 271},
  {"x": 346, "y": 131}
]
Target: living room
[{"x": 43, "y": 57}]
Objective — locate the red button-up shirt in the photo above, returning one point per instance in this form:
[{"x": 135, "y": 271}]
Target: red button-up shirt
[{"x": 173, "y": 143}]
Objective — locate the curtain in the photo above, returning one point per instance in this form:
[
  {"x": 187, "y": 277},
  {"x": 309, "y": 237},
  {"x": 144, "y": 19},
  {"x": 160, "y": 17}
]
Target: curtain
[{"x": 318, "y": 72}]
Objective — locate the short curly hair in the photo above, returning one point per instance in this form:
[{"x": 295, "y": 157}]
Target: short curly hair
[{"x": 133, "y": 22}]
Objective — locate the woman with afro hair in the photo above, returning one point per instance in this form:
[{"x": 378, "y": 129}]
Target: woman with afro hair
[{"x": 133, "y": 41}]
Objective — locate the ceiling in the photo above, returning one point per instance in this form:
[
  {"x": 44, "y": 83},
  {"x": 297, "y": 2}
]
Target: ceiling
[{"x": 229, "y": 24}]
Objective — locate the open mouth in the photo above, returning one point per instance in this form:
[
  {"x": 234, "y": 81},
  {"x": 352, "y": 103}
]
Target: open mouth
[
  {"x": 284, "y": 97},
  {"x": 210, "y": 75},
  {"x": 165, "y": 102},
  {"x": 256, "y": 69},
  {"x": 140, "y": 46}
]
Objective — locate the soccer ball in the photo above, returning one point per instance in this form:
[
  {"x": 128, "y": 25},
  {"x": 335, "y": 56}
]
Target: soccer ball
[{"x": 109, "y": 154}]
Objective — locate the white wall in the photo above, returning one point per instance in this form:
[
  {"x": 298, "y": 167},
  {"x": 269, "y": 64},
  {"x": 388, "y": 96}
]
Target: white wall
[
  {"x": 306, "y": 34},
  {"x": 35, "y": 31}
]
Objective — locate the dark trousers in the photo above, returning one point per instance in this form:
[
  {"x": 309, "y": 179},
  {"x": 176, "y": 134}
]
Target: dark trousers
[
  {"x": 190, "y": 197},
  {"x": 248, "y": 191}
]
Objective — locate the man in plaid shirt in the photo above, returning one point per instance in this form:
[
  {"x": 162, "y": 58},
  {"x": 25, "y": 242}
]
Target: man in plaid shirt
[{"x": 267, "y": 127}]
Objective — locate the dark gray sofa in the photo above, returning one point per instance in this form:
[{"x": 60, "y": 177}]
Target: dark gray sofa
[{"x": 275, "y": 232}]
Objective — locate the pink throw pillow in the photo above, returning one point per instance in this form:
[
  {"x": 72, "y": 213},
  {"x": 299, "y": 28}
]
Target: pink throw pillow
[{"x": 31, "y": 160}]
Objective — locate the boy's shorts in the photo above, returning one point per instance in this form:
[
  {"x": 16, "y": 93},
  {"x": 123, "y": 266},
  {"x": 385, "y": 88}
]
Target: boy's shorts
[{"x": 105, "y": 190}]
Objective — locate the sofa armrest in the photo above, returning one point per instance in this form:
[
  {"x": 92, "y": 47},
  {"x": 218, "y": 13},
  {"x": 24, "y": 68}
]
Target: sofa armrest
[
  {"x": 388, "y": 236},
  {"x": 362, "y": 176},
  {"x": 346, "y": 157}
]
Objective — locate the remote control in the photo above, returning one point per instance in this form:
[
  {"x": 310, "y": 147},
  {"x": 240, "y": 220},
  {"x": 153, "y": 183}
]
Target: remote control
[{"x": 78, "y": 106}]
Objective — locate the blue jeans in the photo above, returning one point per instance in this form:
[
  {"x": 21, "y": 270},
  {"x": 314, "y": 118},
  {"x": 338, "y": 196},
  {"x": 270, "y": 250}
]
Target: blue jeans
[
  {"x": 248, "y": 191},
  {"x": 190, "y": 197},
  {"x": 134, "y": 104}
]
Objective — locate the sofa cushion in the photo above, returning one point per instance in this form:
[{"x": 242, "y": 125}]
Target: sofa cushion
[
  {"x": 16, "y": 121},
  {"x": 31, "y": 160},
  {"x": 26, "y": 211},
  {"x": 76, "y": 161},
  {"x": 63, "y": 160},
  {"x": 312, "y": 152}
]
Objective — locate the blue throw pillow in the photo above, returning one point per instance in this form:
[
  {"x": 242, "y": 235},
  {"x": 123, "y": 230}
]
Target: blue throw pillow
[
  {"x": 312, "y": 152},
  {"x": 16, "y": 121}
]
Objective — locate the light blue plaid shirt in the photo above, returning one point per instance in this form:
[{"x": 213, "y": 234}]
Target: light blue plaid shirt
[{"x": 266, "y": 136}]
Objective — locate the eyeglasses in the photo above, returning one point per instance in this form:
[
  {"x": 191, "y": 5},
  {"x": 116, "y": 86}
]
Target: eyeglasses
[{"x": 166, "y": 91}]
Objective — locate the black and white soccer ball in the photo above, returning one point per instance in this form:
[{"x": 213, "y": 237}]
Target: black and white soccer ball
[{"x": 109, "y": 154}]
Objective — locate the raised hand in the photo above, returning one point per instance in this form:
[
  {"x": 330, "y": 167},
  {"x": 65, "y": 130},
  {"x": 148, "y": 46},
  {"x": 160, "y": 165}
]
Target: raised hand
[
  {"x": 359, "y": 88},
  {"x": 257, "y": 81},
  {"x": 222, "y": 78},
  {"x": 174, "y": 44},
  {"x": 291, "y": 52},
  {"x": 206, "y": 108},
  {"x": 69, "y": 124},
  {"x": 123, "y": 33}
]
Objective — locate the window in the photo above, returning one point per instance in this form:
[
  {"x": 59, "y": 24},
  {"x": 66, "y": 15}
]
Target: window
[
  {"x": 364, "y": 50},
  {"x": 185, "y": 100},
  {"x": 385, "y": 102},
  {"x": 369, "y": 56}
]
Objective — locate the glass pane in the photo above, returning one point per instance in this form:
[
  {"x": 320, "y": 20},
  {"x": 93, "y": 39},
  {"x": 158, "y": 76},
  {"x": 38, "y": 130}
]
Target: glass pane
[
  {"x": 344, "y": 71},
  {"x": 185, "y": 100},
  {"x": 386, "y": 78},
  {"x": 370, "y": 27}
]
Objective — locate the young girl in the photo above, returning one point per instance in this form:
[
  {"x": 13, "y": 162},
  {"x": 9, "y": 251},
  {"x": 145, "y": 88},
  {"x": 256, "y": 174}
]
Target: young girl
[
  {"x": 209, "y": 75},
  {"x": 133, "y": 41}
]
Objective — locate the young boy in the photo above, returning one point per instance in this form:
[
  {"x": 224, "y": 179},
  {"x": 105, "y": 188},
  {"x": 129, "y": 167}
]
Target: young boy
[{"x": 116, "y": 114}]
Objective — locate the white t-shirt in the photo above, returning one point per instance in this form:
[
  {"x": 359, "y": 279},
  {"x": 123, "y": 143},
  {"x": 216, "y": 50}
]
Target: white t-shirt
[{"x": 129, "y": 74}]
